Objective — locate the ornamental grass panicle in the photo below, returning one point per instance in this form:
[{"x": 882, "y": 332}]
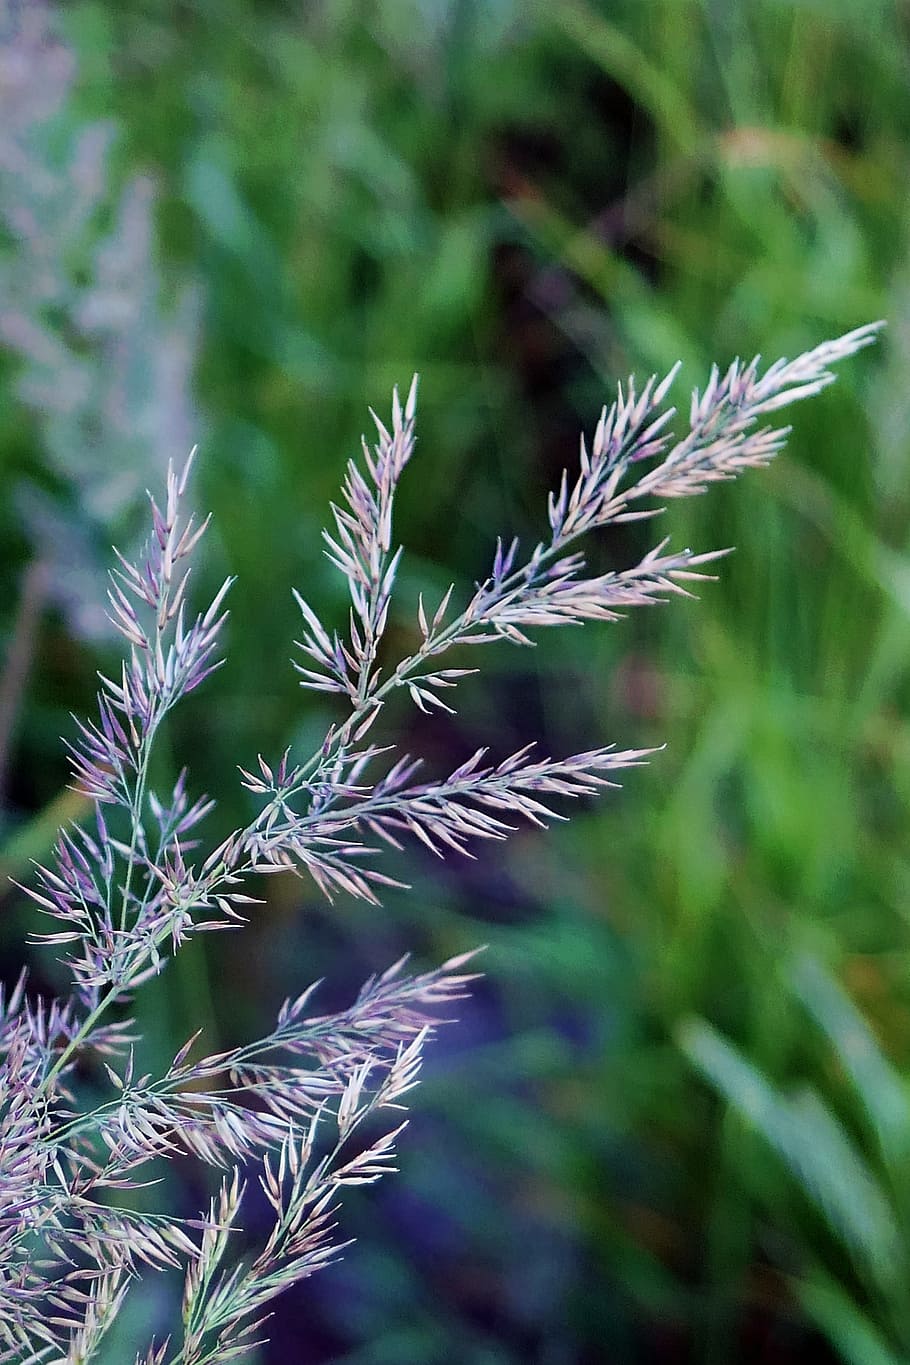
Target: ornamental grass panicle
[{"x": 289, "y": 1110}]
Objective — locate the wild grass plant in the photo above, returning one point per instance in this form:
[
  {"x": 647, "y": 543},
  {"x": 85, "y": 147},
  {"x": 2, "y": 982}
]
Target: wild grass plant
[
  {"x": 83, "y": 1127},
  {"x": 521, "y": 202}
]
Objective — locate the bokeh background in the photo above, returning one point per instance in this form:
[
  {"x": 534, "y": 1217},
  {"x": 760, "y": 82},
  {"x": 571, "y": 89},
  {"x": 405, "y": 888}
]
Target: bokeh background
[{"x": 673, "y": 1123}]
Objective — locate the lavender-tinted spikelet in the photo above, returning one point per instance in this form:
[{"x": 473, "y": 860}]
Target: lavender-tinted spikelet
[
  {"x": 118, "y": 927},
  {"x": 313, "y": 1106},
  {"x": 362, "y": 549}
]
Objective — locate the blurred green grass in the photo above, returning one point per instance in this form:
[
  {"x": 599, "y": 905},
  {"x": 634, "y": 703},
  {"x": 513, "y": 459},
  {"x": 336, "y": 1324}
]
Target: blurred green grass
[{"x": 525, "y": 203}]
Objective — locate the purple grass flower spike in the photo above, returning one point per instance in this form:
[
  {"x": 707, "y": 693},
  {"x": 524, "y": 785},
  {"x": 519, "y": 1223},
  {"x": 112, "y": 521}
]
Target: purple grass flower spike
[{"x": 316, "y": 1105}]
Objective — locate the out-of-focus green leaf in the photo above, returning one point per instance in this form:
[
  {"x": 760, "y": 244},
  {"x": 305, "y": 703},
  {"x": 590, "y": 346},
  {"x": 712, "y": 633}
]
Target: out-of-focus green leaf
[
  {"x": 851, "y": 1331},
  {"x": 876, "y": 1082},
  {"x": 817, "y": 1148}
]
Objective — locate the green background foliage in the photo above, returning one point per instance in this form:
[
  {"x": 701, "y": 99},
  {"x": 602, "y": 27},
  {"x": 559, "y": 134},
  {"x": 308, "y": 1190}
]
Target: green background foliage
[{"x": 674, "y": 1124}]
